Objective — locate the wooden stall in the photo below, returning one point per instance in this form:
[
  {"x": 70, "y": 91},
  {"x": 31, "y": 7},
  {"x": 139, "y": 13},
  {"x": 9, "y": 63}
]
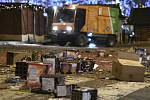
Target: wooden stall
[
  {"x": 22, "y": 22},
  {"x": 140, "y": 18}
]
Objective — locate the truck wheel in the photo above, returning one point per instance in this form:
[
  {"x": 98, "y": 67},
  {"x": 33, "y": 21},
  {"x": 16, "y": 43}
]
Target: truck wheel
[
  {"x": 111, "y": 43},
  {"x": 62, "y": 43},
  {"x": 82, "y": 40}
]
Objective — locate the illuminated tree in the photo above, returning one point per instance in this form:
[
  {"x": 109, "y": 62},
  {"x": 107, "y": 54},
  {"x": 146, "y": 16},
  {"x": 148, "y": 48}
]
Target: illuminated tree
[{"x": 125, "y": 5}]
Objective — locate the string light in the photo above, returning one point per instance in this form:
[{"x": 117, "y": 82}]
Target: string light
[
  {"x": 125, "y": 5},
  {"x": 7, "y": 6}
]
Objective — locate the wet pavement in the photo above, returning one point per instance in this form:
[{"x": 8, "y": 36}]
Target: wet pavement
[{"x": 141, "y": 94}]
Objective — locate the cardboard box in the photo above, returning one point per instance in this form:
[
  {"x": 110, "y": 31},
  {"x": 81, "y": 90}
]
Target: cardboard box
[
  {"x": 50, "y": 82},
  {"x": 50, "y": 65},
  {"x": 21, "y": 70},
  {"x": 128, "y": 56},
  {"x": 65, "y": 68},
  {"x": 61, "y": 90},
  {"x": 84, "y": 93},
  {"x": 35, "y": 71},
  {"x": 68, "y": 67},
  {"x": 64, "y": 90},
  {"x": 128, "y": 70}
]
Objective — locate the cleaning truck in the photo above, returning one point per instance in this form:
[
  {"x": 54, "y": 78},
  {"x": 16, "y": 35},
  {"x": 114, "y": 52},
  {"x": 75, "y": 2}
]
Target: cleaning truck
[{"x": 84, "y": 24}]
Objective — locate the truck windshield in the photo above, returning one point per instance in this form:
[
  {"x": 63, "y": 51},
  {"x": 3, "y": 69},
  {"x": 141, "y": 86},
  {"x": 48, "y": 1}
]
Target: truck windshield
[{"x": 64, "y": 15}]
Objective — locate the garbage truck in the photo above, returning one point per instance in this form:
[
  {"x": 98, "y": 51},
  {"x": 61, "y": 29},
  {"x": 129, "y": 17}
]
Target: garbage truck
[{"x": 84, "y": 24}]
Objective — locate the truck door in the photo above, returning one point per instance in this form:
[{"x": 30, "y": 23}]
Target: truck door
[
  {"x": 80, "y": 19},
  {"x": 50, "y": 12}
]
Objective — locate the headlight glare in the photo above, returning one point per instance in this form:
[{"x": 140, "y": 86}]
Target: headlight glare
[
  {"x": 55, "y": 28},
  {"x": 68, "y": 28},
  {"x": 89, "y": 34}
]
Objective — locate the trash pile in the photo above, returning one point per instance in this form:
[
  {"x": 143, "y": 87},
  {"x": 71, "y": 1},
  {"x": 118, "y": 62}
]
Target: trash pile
[
  {"x": 60, "y": 62},
  {"x": 45, "y": 75},
  {"x": 67, "y": 61},
  {"x": 8, "y": 61},
  {"x": 45, "y": 72},
  {"x": 6, "y": 70},
  {"x": 103, "y": 58},
  {"x": 144, "y": 56},
  {"x": 71, "y": 62}
]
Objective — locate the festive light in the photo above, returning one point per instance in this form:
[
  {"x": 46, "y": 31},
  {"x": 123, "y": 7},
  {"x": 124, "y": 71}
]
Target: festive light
[
  {"x": 125, "y": 5},
  {"x": 7, "y": 6}
]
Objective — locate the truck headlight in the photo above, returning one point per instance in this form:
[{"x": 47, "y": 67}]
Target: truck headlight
[
  {"x": 55, "y": 28},
  {"x": 89, "y": 34},
  {"x": 69, "y": 28}
]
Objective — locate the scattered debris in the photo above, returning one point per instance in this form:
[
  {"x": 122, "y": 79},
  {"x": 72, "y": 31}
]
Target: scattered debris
[
  {"x": 13, "y": 79},
  {"x": 91, "y": 68},
  {"x": 3, "y": 86}
]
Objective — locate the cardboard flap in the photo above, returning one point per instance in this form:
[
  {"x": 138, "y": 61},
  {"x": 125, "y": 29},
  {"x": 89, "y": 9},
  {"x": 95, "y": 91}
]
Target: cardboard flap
[{"x": 128, "y": 56}]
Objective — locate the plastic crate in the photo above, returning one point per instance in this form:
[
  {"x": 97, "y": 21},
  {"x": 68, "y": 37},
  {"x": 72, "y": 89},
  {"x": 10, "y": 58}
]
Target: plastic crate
[
  {"x": 84, "y": 94},
  {"x": 21, "y": 70}
]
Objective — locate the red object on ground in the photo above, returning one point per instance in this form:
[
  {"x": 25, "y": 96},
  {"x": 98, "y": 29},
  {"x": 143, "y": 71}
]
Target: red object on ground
[{"x": 35, "y": 70}]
